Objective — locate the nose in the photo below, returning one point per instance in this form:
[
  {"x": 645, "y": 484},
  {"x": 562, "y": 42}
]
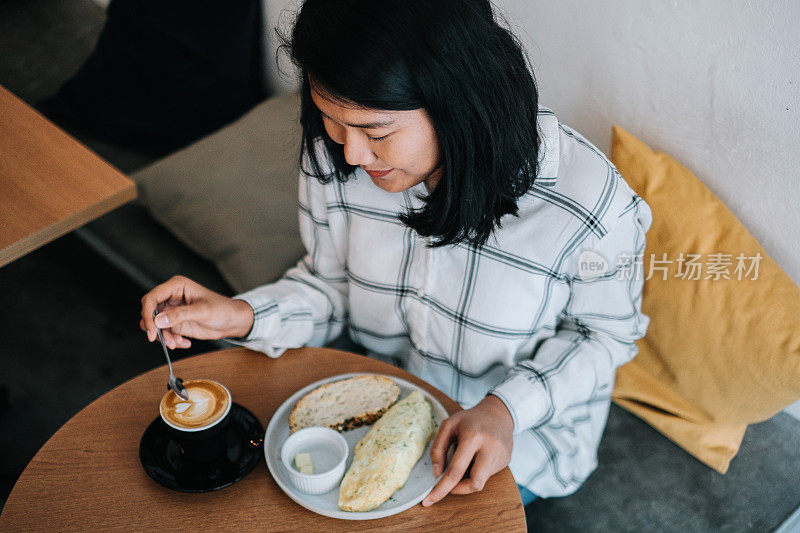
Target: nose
[{"x": 357, "y": 150}]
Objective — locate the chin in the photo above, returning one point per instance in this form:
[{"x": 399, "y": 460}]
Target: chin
[{"x": 391, "y": 185}]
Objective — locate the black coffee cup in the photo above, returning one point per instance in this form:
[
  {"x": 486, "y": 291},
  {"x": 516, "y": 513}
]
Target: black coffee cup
[{"x": 198, "y": 443}]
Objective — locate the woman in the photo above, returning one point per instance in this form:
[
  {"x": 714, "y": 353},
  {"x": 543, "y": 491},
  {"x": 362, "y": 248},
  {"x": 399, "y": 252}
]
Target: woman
[{"x": 445, "y": 216}]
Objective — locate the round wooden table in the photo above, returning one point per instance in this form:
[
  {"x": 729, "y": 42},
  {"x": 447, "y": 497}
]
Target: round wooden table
[{"x": 88, "y": 477}]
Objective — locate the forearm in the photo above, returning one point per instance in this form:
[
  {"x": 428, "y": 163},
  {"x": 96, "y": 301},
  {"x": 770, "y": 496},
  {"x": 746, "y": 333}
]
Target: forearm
[
  {"x": 242, "y": 319},
  {"x": 300, "y": 309},
  {"x": 569, "y": 369}
]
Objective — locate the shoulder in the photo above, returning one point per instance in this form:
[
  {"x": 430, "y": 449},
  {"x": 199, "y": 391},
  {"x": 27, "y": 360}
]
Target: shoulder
[
  {"x": 577, "y": 183},
  {"x": 577, "y": 200}
]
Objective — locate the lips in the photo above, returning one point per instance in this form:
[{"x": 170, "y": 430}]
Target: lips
[{"x": 377, "y": 173}]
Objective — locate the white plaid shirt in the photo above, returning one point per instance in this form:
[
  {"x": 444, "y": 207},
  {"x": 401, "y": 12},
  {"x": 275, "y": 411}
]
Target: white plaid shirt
[{"x": 513, "y": 318}]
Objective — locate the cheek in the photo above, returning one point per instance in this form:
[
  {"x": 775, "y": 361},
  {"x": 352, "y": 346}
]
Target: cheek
[
  {"x": 431, "y": 151},
  {"x": 420, "y": 150},
  {"x": 432, "y": 155},
  {"x": 411, "y": 154}
]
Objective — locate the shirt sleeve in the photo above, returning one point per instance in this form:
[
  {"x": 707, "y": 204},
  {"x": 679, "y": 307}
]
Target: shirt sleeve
[
  {"x": 596, "y": 333},
  {"x": 308, "y": 305}
]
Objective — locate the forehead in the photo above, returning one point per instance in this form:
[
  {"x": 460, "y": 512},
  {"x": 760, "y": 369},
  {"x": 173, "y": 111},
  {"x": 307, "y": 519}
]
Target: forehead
[{"x": 352, "y": 114}]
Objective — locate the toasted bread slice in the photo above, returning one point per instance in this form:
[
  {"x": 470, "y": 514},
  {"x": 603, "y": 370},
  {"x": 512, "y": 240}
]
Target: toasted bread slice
[{"x": 345, "y": 404}]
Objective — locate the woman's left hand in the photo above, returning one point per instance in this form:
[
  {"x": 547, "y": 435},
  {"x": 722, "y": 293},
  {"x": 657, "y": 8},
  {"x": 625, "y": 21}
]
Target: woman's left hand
[{"x": 484, "y": 436}]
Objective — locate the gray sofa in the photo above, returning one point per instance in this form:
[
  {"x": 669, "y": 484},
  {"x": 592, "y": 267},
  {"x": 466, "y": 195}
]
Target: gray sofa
[{"x": 223, "y": 212}]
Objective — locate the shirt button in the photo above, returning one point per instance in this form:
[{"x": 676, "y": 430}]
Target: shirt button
[{"x": 421, "y": 293}]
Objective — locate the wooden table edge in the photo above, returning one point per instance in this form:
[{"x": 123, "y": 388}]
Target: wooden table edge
[{"x": 60, "y": 228}]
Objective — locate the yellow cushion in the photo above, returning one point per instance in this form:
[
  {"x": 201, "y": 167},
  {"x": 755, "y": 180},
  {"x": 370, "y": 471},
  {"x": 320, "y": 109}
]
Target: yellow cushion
[{"x": 719, "y": 353}]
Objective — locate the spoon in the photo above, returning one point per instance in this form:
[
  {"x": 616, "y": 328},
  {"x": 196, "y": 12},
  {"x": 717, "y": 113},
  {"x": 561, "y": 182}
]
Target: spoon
[{"x": 176, "y": 384}]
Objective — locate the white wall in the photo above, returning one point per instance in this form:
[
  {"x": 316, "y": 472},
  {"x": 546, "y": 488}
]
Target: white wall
[
  {"x": 715, "y": 84},
  {"x": 794, "y": 410},
  {"x": 280, "y": 78}
]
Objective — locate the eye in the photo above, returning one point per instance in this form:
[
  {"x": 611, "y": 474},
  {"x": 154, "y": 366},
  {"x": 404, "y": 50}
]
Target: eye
[{"x": 378, "y": 139}]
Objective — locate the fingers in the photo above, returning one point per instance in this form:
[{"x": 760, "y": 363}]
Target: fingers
[
  {"x": 179, "y": 323},
  {"x": 173, "y": 340},
  {"x": 173, "y": 317},
  {"x": 462, "y": 457},
  {"x": 485, "y": 441},
  {"x": 440, "y": 445},
  {"x": 171, "y": 292},
  {"x": 482, "y": 469}
]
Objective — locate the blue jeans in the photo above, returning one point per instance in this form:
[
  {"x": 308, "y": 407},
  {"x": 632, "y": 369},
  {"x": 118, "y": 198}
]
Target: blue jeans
[{"x": 527, "y": 496}]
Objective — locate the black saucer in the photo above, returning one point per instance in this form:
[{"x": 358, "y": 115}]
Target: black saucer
[{"x": 162, "y": 459}]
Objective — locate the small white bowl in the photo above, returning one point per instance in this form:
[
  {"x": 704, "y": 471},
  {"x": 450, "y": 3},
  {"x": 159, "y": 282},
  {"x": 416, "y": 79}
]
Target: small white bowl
[{"x": 328, "y": 451}]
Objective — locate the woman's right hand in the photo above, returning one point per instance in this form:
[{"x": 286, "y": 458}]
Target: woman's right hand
[{"x": 187, "y": 309}]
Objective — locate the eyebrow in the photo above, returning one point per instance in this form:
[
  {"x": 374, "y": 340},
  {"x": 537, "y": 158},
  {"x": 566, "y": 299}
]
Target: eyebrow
[{"x": 365, "y": 125}]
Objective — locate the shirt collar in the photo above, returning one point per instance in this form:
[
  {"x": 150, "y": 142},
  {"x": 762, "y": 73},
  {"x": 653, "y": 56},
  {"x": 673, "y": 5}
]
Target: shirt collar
[{"x": 549, "y": 148}]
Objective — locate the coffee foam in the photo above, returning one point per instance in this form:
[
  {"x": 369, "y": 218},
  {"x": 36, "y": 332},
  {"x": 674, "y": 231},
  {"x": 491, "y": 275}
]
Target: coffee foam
[{"x": 208, "y": 402}]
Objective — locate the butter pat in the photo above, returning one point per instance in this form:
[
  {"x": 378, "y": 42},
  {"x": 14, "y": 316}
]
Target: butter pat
[{"x": 302, "y": 461}]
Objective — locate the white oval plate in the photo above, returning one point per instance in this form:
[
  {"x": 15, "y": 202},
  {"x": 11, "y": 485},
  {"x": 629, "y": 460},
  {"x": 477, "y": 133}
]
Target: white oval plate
[{"x": 418, "y": 486}]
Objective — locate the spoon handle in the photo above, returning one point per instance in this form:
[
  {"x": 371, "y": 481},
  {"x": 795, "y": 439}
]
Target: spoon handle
[
  {"x": 176, "y": 384},
  {"x": 166, "y": 354}
]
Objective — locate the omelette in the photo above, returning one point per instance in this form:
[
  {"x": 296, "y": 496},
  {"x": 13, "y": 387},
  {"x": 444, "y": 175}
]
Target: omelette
[{"x": 384, "y": 458}]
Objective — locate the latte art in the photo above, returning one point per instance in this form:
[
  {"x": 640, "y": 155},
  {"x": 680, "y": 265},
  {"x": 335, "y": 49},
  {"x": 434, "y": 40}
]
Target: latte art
[{"x": 208, "y": 403}]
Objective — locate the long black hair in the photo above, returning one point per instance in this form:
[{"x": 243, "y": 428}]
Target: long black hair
[{"x": 449, "y": 57}]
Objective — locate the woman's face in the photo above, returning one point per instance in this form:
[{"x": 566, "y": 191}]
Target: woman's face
[{"x": 398, "y": 149}]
